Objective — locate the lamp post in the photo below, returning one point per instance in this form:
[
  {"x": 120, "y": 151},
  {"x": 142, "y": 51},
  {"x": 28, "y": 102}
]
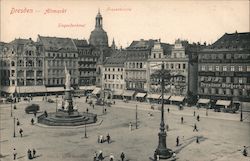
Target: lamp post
[
  {"x": 136, "y": 117},
  {"x": 85, "y": 131},
  {"x": 14, "y": 134},
  {"x": 11, "y": 108},
  {"x": 241, "y": 114},
  {"x": 103, "y": 101}
]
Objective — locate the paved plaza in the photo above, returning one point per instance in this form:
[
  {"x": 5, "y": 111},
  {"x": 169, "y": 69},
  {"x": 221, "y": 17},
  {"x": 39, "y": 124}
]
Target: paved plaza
[{"x": 221, "y": 135}]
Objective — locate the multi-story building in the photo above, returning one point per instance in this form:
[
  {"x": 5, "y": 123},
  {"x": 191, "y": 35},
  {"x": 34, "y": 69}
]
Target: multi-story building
[
  {"x": 224, "y": 70},
  {"x": 58, "y": 54},
  {"x": 86, "y": 63},
  {"x": 113, "y": 73},
  {"x": 22, "y": 64},
  {"x": 136, "y": 65},
  {"x": 173, "y": 58}
]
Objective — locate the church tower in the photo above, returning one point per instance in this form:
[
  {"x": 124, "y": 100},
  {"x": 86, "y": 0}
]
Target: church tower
[{"x": 98, "y": 36}]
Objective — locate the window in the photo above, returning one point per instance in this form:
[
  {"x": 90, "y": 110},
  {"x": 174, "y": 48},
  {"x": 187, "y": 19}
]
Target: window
[
  {"x": 210, "y": 68},
  {"x": 232, "y": 68},
  {"x": 224, "y": 68},
  {"x": 12, "y": 63},
  {"x": 240, "y": 80},
  {"x": 172, "y": 66},
  {"x": 248, "y": 68},
  {"x": 184, "y": 66},
  {"x": 217, "y": 68},
  {"x": 203, "y": 68},
  {"x": 121, "y": 76},
  {"x": 240, "y": 68}
]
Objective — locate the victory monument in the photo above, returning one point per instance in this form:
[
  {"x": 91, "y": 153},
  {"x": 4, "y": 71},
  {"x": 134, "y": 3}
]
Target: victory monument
[{"x": 67, "y": 114}]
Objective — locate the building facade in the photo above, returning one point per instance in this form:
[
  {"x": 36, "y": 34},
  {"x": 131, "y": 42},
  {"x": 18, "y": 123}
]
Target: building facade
[{"x": 224, "y": 69}]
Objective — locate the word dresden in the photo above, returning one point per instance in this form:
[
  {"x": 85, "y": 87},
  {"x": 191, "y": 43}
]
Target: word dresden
[{"x": 21, "y": 10}]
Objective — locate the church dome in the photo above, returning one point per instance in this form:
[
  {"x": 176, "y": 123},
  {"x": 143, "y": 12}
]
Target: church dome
[{"x": 98, "y": 36}]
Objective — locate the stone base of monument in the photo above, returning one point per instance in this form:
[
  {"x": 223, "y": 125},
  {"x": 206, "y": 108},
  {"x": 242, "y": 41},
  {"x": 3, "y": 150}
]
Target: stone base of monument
[{"x": 62, "y": 118}]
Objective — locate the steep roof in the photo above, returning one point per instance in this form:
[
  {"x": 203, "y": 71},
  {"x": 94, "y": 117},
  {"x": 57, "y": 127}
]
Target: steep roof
[
  {"x": 142, "y": 44},
  {"x": 80, "y": 43},
  {"x": 116, "y": 59},
  {"x": 233, "y": 40},
  {"x": 57, "y": 43}
]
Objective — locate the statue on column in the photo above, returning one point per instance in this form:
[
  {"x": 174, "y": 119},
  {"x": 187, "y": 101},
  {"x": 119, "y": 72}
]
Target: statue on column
[{"x": 67, "y": 79}]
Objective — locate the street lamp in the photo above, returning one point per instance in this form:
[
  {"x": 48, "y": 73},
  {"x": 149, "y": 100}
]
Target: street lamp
[
  {"x": 14, "y": 134},
  {"x": 103, "y": 101},
  {"x": 11, "y": 108},
  {"x": 136, "y": 117},
  {"x": 162, "y": 150}
]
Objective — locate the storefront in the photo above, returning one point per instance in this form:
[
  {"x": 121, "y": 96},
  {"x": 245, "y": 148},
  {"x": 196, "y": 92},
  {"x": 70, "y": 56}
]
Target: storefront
[
  {"x": 176, "y": 100},
  {"x": 141, "y": 97},
  {"x": 128, "y": 94}
]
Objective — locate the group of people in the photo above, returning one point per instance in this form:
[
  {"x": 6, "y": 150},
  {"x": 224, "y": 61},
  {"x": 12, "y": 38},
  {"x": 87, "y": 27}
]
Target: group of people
[
  {"x": 30, "y": 154},
  {"x": 99, "y": 156},
  {"x": 101, "y": 139}
]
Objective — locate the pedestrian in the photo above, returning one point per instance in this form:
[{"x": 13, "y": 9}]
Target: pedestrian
[
  {"x": 197, "y": 139},
  {"x": 122, "y": 156},
  {"x": 45, "y": 113},
  {"x": 177, "y": 141},
  {"x": 14, "y": 154},
  {"x": 17, "y": 123},
  {"x": 155, "y": 155},
  {"x": 194, "y": 113},
  {"x": 245, "y": 151},
  {"x": 167, "y": 127},
  {"x": 182, "y": 119},
  {"x": 114, "y": 102},
  {"x": 130, "y": 126},
  {"x": 174, "y": 155},
  {"x": 34, "y": 153},
  {"x": 111, "y": 157},
  {"x": 105, "y": 110},
  {"x": 95, "y": 156},
  {"x": 93, "y": 106},
  {"x": 98, "y": 139},
  {"x": 35, "y": 113},
  {"x": 100, "y": 156},
  {"x": 87, "y": 110},
  {"x": 101, "y": 139},
  {"x": 21, "y": 132},
  {"x": 32, "y": 121},
  {"x": 168, "y": 110},
  {"x": 29, "y": 154},
  {"x": 198, "y": 118},
  {"x": 195, "y": 128},
  {"x": 108, "y": 138}
]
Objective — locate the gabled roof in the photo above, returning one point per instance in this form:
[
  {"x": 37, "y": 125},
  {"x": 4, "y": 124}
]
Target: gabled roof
[
  {"x": 233, "y": 40},
  {"x": 20, "y": 41},
  {"x": 57, "y": 43},
  {"x": 142, "y": 44}
]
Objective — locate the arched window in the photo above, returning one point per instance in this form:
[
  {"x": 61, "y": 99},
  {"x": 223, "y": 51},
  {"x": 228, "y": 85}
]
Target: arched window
[{"x": 12, "y": 63}]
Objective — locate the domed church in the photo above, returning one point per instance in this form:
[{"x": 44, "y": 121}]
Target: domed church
[{"x": 98, "y": 36}]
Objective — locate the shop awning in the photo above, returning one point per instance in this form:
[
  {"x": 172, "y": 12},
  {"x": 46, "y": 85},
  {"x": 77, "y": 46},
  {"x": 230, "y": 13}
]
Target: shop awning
[
  {"x": 141, "y": 95},
  {"x": 55, "y": 89},
  {"x": 9, "y": 89},
  {"x": 204, "y": 101},
  {"x": 153, "y": 96},
  {"x": 96, "y": 91},
  {"x": 166, "y": 97},
  {"x": 128, "y": 93},
  {"x": 31, "y": 89},
  {"x": 223, "y": 102},
  {"x": 177, "y": 98},
  {"x": 118, "y": 92},
  {"x": 87, "y": 87}
]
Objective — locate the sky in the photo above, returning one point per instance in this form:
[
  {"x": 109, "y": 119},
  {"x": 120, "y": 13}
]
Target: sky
[{"x": 124, "y": 20}]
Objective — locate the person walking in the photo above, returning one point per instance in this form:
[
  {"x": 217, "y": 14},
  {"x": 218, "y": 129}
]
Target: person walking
[
  {"x": 130, "y": 126},
  {"x": 87, "y": 110},
  {"x": 93, "y": 106},
  {"x": 195, "y": 128},
  {"x": 32, "y": 121},
  {"x": 21, "y": 132},
  {"x": 34, "y": 153},
  {"x": 168, "y": 110},
  {"x": 108, "y": 138},
  {"x": 100, "y": 156},
  {"x": 111, "y": 157},
  {"x": 122, "y": 156},
  {"x": 34, "y": 113},
  {"x": 18, "y": 122},
  {"x": 197, "y": 139},
  {"x": 182, "y": 119},
  {"x": 194, "y": 113},
  {"x": 177, "y": 141},
  {"x": 29, "y": 154},
  {"x": 245, "y": 151},
  {"x": 14, "y": 154},
  {"x": 95, "y": 156},
  {"x": 198, "y": 118},
  {"x": 167, "y": 127}
]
